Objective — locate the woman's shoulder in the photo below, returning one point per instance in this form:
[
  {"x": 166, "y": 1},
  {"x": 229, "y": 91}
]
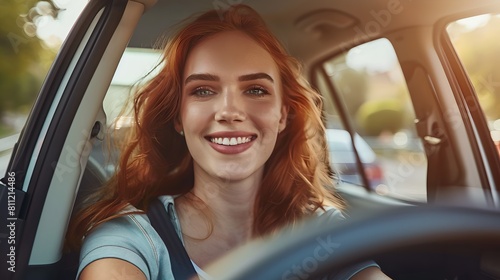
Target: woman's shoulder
[
  {"x": 130, "y": 221},
  {"x": 133, "y": 218},
  {"x": 129, "y": 237},
  {"x": 128, "y": 230}
]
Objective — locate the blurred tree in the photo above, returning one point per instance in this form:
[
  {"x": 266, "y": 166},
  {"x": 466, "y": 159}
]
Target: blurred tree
[
  {"x": 24, "y": 60},
  {"x": 352, "y": 84},
  {"x": 377, "y": 116}
]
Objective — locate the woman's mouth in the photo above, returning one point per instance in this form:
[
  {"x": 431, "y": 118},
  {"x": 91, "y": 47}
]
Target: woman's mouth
[
  {"x": 231, "y": 144},
  {"x": 231, "y": 141}
]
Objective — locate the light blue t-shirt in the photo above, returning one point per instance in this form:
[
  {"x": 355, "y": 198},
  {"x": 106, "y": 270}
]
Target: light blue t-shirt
[{"x": 132, "y": 238}]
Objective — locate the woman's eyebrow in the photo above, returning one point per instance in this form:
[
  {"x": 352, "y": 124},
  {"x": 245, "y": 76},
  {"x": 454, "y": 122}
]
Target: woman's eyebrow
[
  {"x": 255, "y": 76},
  {"x": 210, "y": 77},
  {"x": 202, "y": 77}
]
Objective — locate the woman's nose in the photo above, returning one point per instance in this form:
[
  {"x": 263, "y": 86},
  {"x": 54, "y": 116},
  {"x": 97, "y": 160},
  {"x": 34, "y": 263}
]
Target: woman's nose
[{"x": 230, "y": 108}]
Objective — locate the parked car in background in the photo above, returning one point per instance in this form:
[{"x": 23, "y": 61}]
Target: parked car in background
[{"x": 345, "y": 162}]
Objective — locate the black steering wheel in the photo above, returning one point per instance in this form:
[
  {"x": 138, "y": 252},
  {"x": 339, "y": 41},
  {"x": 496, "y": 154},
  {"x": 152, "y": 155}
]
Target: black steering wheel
[{"x": 317, "y": 248}]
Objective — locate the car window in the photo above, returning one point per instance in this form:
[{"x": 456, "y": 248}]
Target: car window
[
  {"x": 371, "y": 88},
  {"x": 33, "y": 33},
  {"x": 136, "y": 66},
  {"x": 475, "y": 43}
]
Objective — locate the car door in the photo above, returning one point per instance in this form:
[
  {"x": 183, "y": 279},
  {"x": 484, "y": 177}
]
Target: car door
[{"x": 38, "y": 190}]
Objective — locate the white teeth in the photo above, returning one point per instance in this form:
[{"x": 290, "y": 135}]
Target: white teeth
[{"x": 233, "y": 141}]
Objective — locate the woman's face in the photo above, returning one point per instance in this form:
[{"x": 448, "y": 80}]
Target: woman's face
[{"x": 232, "y": 108}]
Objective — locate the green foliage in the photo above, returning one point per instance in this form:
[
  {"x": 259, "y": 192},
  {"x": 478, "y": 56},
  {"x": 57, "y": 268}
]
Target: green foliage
[
  {"x": 23, "y": 59},
  {"x": 375, "y": 117},
  {"x": 5, "y": 130}
]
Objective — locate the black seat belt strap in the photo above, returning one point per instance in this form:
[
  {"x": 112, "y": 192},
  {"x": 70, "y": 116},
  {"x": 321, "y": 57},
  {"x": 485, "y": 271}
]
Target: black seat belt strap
[{"x": 182, "y": 267}]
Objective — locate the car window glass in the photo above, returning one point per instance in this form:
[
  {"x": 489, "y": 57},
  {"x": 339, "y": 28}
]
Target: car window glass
[
  {"x": 33, "y": 33},
  {"x": 476, "y": 43},
  {"x": 136, "y": 67},
  {"x": 371, "y": 86}
]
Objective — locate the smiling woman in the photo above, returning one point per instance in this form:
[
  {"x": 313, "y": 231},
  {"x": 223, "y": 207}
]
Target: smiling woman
[
  {"x": 239, "y": 103},
  {"x": 228, "y": 135}
]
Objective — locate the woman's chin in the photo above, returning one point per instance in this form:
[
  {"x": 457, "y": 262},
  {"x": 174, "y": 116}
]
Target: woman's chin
[{"x": 237, "y": 174}]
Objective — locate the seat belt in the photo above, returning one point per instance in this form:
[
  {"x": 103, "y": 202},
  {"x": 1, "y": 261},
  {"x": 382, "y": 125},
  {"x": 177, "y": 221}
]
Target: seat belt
[{"x": 182, "y": 267}]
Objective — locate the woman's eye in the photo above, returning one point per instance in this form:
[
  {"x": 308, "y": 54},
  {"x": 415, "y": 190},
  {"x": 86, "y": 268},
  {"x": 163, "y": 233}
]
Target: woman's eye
[
  {"x": 202, "y": 92},
  {"x": 257, "y": 91}
]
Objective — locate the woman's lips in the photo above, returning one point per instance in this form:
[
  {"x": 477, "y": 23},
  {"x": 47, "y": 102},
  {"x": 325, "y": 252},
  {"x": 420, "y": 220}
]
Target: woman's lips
[{"x": 233, "y": 143}]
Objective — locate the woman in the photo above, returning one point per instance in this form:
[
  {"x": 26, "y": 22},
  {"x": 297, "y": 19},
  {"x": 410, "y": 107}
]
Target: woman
[{"x": 228, "y": 132}]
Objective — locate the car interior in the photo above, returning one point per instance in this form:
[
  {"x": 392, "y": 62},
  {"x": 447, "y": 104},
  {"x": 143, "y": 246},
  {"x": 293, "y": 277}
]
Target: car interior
[{"x": 435, "y": 148}]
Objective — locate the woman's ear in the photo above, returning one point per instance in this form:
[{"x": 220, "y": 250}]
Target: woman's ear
[
  {"x": 283, "y": 119},
  {"x": 178, "y": 125}
]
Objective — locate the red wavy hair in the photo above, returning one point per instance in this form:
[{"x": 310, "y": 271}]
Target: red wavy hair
[{"x": 156, "y": 160}]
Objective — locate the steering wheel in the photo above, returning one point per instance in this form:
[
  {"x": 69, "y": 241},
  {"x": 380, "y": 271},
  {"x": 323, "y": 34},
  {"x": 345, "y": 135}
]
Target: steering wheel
[{"x": 318, "y": 248}]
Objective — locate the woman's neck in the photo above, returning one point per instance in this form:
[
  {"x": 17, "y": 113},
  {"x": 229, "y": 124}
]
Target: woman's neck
[
  {"x": 221, "y": 221},
  {"x": 230, "y": 203}
]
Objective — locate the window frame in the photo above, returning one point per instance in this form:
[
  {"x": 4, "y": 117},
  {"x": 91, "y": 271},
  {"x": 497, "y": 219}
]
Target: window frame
[
  {"x": 42, "y": 139},
  {"x": 484, "y": 149}
]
